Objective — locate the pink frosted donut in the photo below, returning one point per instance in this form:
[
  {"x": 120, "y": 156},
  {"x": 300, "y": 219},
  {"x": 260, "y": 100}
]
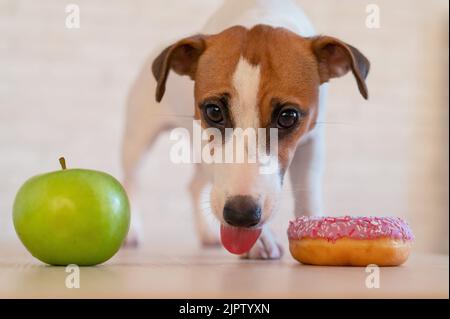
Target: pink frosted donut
[{"x": 353, "y": 241}]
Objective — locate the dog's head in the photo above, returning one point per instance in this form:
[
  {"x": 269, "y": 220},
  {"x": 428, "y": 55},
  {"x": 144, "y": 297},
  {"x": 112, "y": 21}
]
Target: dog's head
[{"x": 262, "y": 77}]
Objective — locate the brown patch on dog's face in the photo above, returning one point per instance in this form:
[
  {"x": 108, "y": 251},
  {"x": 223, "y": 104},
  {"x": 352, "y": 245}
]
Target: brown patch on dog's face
[
  {"x": 289, "y": 77},
  {"x": 217, "y": 64}
]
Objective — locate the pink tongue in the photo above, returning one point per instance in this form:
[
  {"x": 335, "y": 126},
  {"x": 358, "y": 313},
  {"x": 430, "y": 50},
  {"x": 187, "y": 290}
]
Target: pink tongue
[{"x": 238, "y": 240}]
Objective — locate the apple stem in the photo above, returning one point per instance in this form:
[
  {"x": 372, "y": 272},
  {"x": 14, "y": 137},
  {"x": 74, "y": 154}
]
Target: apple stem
[{"x": 62, "y": 161}]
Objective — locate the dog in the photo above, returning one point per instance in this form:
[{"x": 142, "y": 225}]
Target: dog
[{"x": 256, "y": 64}]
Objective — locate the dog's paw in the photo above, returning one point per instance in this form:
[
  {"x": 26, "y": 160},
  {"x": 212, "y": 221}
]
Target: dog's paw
[
  {"x": 134, "y": 237},
  {"x": 132, "y": 241},
  {"x": 265, "y": 247}
]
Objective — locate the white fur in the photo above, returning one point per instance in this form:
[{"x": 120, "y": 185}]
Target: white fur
[
  {"x": 146, "y": 119},
  {"x": 245, "y": 178},
  {"x": 246, "y": 81}
]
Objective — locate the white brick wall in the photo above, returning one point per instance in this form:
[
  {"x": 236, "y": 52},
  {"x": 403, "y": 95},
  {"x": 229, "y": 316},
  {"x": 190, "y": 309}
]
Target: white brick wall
[{"x": 63, "y": 91}]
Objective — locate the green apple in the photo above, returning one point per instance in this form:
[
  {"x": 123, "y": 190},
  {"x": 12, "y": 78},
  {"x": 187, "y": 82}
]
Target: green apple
[{"x": 72, "y": 216}]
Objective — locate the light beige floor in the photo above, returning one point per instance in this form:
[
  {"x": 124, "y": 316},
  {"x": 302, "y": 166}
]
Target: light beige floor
[{"x": 200, "y": 273}]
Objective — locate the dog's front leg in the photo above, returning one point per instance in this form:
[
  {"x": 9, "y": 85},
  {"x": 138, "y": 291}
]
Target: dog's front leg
[
  {"x": 306, "y": 175},
  {"x": 206, "y": 233}
]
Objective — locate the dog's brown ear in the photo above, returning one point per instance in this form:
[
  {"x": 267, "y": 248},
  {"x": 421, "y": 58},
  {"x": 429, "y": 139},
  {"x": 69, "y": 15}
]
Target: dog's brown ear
[
  {"x": 336, "y": 58},
  {"x": 182, "y": 57}
]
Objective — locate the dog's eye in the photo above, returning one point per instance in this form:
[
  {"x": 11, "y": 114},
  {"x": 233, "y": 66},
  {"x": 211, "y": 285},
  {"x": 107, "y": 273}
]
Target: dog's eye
[
  {"x": 288, "y": 118},
  {"x": 214, "y": 112}
]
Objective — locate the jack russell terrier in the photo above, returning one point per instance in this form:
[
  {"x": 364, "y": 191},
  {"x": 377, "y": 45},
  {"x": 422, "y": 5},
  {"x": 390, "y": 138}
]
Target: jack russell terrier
[{"x": 256, "y": 64}]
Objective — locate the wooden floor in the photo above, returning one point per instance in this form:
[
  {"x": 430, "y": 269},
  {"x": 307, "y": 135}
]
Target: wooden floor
[{"x": 213, "y": 273}]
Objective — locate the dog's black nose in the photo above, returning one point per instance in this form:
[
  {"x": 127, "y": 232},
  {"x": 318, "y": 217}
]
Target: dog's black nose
[{"x": 242, "y": 211}]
